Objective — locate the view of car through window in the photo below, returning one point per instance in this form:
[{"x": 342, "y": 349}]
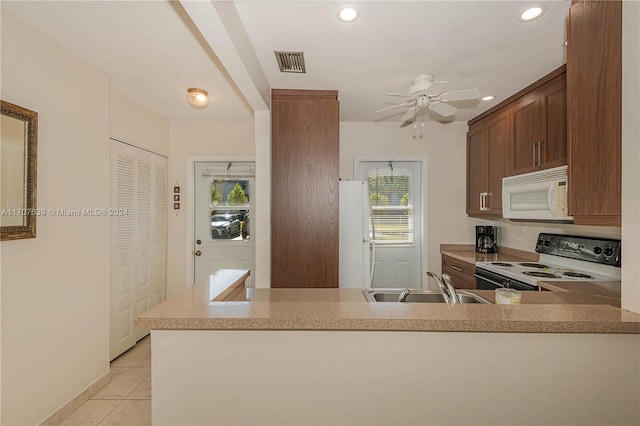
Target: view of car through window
[
  {"x": 230, "y": 209},
  {"x": 225, "y": 225}
]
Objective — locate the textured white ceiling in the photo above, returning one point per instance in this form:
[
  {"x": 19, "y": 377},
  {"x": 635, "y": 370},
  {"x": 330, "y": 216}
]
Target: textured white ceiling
[
  {"x": 146, "y": 47},
  {"x": 150, "y": 47}
]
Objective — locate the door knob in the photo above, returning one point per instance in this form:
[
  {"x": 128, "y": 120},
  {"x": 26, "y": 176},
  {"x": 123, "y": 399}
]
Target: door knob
[{"x": 198, "y": 253}]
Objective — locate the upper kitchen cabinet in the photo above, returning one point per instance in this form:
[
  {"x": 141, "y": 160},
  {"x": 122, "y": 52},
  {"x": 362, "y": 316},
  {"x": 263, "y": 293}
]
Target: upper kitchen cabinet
[
  {"x": 540, "y": 125},
  {"x": 524, "y": 133},
  {"x": 304, "y": 188},
  {"x": 488, "y": 161},
  {"x": 594, "y": 93}
]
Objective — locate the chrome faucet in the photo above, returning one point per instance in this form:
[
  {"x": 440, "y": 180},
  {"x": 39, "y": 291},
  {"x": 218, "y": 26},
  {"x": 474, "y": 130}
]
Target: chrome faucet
[
  {"x": 448, "y": 292},
  {"x": 452, "y": 291},
  {"x": 402, "y": 297}
]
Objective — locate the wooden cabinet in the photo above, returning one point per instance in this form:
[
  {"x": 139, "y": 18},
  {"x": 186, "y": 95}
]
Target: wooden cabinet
[
  {"x": 524, "y": 133},
  {"x": 594, "y": 93},
  {"x": 462, "y": 273},
  {"x": 488, "y": 161},
  {"x": 304, "y": 188},
  {"x": 540, "y": 125}
]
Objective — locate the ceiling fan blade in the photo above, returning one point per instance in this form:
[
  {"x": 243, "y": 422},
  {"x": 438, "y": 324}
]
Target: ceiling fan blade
[
  {"x": 460, "y": 95},
  {"x": 399, "y": 95},
  {"x": 410, "y": 114},
  {"x": 442, "y": 109},
  {"x": 395, "y": 106}
]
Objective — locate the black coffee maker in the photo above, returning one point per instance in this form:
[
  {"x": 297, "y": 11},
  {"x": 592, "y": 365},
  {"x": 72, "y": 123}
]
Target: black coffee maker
[{"x": 486, "y": 239}]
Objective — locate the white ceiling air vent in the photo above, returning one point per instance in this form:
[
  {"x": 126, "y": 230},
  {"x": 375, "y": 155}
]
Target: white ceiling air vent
[{"x": 291, "y": 61}]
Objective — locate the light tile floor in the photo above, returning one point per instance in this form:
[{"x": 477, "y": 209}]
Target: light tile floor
[{"x": 126, "y": 399}]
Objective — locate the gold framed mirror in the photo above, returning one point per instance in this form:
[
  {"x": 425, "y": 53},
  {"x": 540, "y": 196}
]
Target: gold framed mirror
[{"x": 18, "y": 143}]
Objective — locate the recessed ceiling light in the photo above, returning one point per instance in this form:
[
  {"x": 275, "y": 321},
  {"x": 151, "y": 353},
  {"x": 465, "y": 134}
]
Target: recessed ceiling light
[
  {"x": 488, "y": 98},
  {"x": 531, "y": 13},
  {"x": 348, "y": 14}
]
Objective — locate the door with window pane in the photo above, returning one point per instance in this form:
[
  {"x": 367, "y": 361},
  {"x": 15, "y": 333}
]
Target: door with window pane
[
  {"x": 395, "y": 189},
  {"x": 222, "y": 221}
]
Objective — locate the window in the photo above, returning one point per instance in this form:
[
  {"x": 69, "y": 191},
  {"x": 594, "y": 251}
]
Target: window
[
  {"x": 229, "y": 187},
  {"x": 392, "y": 204}
]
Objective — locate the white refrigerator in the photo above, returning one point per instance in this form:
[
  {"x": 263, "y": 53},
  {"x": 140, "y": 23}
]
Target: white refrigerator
[{"x": 356, "y": 245}]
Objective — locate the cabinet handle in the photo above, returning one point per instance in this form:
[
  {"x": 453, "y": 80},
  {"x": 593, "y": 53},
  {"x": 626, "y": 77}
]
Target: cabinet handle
[
  {"x": 534, "y": 154},
  {"x": 540, "y": 154},
  {"x": 483, "y": 201},
  {"x": 456, "y": 268}
]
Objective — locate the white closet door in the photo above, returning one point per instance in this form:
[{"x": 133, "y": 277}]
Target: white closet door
[{"x": 138, "y": 248}]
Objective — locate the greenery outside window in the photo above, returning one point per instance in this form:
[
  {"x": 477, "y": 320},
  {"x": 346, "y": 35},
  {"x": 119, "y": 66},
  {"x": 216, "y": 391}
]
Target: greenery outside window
[
  {"x": 391, "y": 204},
  {"x": 230, "y": 204}
]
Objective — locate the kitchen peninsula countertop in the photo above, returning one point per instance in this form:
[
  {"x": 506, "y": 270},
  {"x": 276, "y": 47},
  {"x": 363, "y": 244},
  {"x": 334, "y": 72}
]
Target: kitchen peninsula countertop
[{"x": 347, "y": 309}]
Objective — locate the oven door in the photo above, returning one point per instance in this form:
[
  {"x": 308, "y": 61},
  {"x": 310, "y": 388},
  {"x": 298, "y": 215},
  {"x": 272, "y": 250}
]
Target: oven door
[{"x": 486, "y": 280}]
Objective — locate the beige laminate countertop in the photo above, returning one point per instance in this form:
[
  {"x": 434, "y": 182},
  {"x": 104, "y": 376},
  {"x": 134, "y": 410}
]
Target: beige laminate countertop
[
  {"x": 347, "y": 309},
  {"x": 467, "y": 253},
  {"x": 607, "y": 291}
]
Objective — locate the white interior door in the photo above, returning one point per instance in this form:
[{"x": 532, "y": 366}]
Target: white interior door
[
  {"x": 138, "y": 239},
  {"x": 222, "y": 218},
  {"x": 395, "y": 191}
]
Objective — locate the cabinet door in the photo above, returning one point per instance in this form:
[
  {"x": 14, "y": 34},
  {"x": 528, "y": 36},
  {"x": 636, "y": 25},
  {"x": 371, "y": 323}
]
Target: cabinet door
[
  {"x": 527, "y": 132},
  {"x": 499, "y": 139},
  {"x": 461, "y": 273},
  {"x": 540, "y": 127},
  {"x": 476, "y": 169},
  {"x": 304, "y": 182},
  {"x": 553, "y": 99},
  {"x": 594, "y": 90}
]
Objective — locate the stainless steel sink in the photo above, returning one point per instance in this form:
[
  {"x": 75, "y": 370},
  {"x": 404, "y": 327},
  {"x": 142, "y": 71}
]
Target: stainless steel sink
[{"x": 418, "y": 296}]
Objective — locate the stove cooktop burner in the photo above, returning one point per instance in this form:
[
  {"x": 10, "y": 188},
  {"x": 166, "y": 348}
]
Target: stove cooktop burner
[
  {"x": 577, "y": 275},
  {"x": 502, "y": 265},
  {"x": 533, "y": 265},
  {"x": 541, "y": 274}
]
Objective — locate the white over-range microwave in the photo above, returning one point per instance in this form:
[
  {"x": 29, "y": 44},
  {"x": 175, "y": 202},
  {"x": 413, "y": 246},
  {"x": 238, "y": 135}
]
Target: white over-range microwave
[{"x": 540, "y": 195}]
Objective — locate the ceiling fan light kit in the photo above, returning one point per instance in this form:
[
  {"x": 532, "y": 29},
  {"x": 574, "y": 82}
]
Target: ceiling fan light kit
[{"x": 421, "y": 95}]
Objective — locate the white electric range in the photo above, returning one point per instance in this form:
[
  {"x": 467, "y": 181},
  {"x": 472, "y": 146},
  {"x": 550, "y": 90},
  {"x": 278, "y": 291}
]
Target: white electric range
[{"x": 562, "y": 258}]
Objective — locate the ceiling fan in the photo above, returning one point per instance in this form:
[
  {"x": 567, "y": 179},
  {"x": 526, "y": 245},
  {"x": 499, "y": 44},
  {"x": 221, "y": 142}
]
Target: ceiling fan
[{"x": 420, "y": 96}]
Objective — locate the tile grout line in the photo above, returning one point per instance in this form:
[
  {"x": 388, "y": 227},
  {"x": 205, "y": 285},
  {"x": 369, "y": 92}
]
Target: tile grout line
[
  {"x": 109, "y": 413},
  {"x": 109, "y": 374}
]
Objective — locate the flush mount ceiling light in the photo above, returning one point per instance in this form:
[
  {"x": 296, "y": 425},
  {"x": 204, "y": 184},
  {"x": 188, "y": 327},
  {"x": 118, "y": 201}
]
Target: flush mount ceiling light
[
  {"x": 531, "y": 13},
  {"x": 348, "y": 14},
  {"x": 488, "y": 98},
  {"x": 199, "y": 98}
]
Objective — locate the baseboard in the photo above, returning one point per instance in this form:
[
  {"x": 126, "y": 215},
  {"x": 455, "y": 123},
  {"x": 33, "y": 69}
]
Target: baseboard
[{"x": 75, "y": 403}]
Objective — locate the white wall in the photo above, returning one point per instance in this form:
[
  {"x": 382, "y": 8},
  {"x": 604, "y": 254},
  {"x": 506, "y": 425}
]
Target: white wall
[
  {"x": 132, "y": 123},
  {"x": 403, "y": 378},
  {"x": 55, "y": 288},
  {"x": 262, "y": 220},
  {"x": 523, "y": 236},
  {"x": 444, "y": 146},
  {"x": 190, "y": 141},
  {"x": 631, "y": 155}
]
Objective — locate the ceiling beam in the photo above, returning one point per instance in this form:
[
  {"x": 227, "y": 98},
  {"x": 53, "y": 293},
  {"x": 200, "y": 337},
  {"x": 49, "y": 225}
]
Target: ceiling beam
[{"x": 221, "y": 27}]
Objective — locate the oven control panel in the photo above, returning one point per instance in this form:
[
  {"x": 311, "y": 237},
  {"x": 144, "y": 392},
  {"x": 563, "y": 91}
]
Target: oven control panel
[{"x": 604, "y": 251}]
